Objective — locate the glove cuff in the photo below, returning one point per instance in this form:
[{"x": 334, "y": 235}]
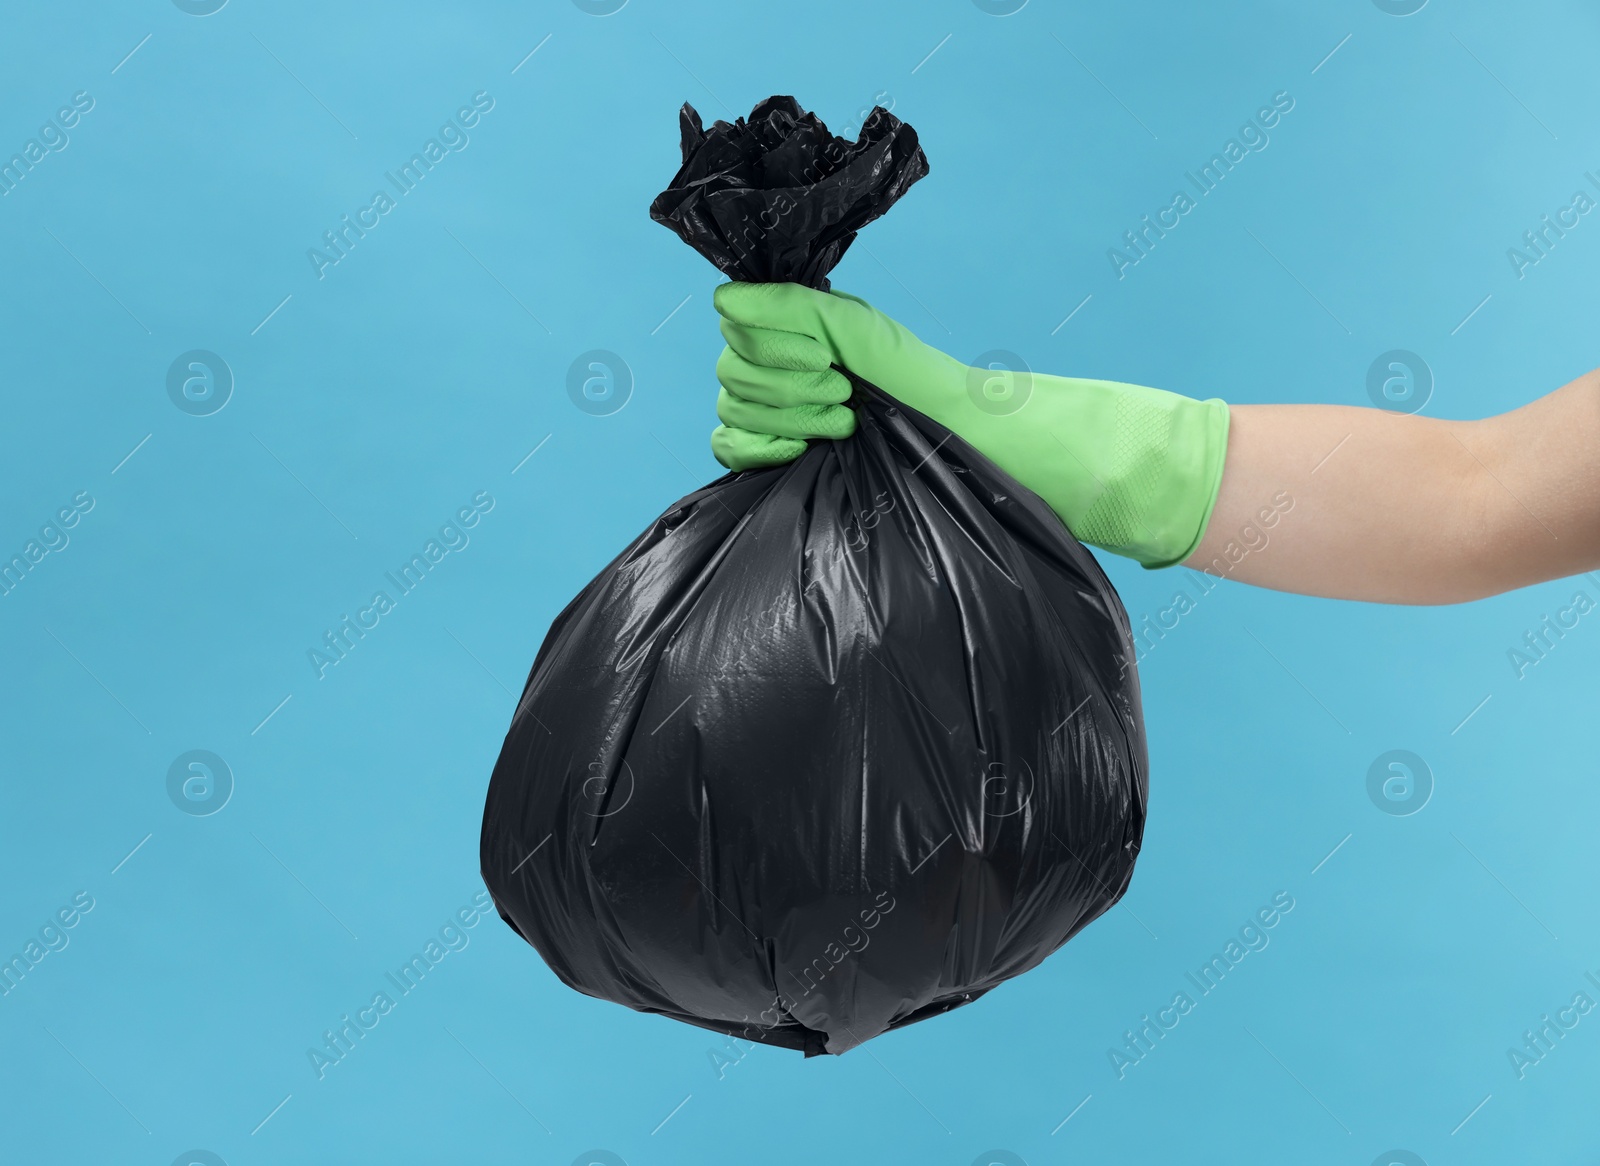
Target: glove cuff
[{"x": 1196, "y": 454}]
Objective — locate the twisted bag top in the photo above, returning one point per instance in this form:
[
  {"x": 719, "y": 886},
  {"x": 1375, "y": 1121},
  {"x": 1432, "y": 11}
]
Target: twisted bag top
[{"x": 830, "y": 747}]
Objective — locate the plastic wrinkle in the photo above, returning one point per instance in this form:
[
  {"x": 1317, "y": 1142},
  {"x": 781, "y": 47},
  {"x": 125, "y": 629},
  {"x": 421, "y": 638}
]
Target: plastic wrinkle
[{"x": 833, "y": 747}]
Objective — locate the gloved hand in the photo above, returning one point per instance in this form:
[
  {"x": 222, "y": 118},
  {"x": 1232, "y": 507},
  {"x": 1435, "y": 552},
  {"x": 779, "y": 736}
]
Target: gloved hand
[{"x": 1129, "y": 469}]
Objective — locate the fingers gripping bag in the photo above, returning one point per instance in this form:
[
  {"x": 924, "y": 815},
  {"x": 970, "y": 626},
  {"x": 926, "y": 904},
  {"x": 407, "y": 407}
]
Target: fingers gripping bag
[{"x": 835, "y": 746}]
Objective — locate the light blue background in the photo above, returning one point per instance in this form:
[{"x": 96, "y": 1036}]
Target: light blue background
[{"x": 427, "y": 365}]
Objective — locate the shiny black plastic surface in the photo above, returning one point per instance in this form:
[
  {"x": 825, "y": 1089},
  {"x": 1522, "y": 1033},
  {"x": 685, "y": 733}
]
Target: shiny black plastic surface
[{"x": 831, "y": 747}]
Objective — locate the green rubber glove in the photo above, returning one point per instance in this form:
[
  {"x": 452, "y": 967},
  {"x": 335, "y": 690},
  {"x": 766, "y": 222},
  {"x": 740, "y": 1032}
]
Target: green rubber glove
[{"x": 1131, "y": 470}]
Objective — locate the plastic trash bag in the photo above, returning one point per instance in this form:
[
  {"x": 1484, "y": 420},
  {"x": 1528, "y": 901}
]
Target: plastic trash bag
[{"x": 831, "y": 747}]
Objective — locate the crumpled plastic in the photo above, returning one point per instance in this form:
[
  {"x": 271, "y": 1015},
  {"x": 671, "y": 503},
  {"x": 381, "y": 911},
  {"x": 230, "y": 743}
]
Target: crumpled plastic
[
  {"x": 777, "y": 198},
  {"x": 832, "y": 747}
]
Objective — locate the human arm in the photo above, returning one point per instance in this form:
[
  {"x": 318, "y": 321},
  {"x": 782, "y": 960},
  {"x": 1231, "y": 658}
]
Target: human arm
[
  {"x": 1396, "y": 508},
  {"x": 1322, "y": 500}
]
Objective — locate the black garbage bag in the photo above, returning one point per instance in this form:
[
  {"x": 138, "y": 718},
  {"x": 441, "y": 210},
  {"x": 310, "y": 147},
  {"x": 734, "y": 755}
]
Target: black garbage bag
[{"x": 832, "y": 747}]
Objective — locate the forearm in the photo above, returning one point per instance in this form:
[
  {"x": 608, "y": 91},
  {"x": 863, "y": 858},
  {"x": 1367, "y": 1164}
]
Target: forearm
[{"x": 1392, "y": 508}]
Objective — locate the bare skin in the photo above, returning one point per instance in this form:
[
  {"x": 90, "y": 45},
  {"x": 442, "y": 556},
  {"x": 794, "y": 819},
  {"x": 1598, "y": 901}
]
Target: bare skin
[{"x": 1391, "y": 508}]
